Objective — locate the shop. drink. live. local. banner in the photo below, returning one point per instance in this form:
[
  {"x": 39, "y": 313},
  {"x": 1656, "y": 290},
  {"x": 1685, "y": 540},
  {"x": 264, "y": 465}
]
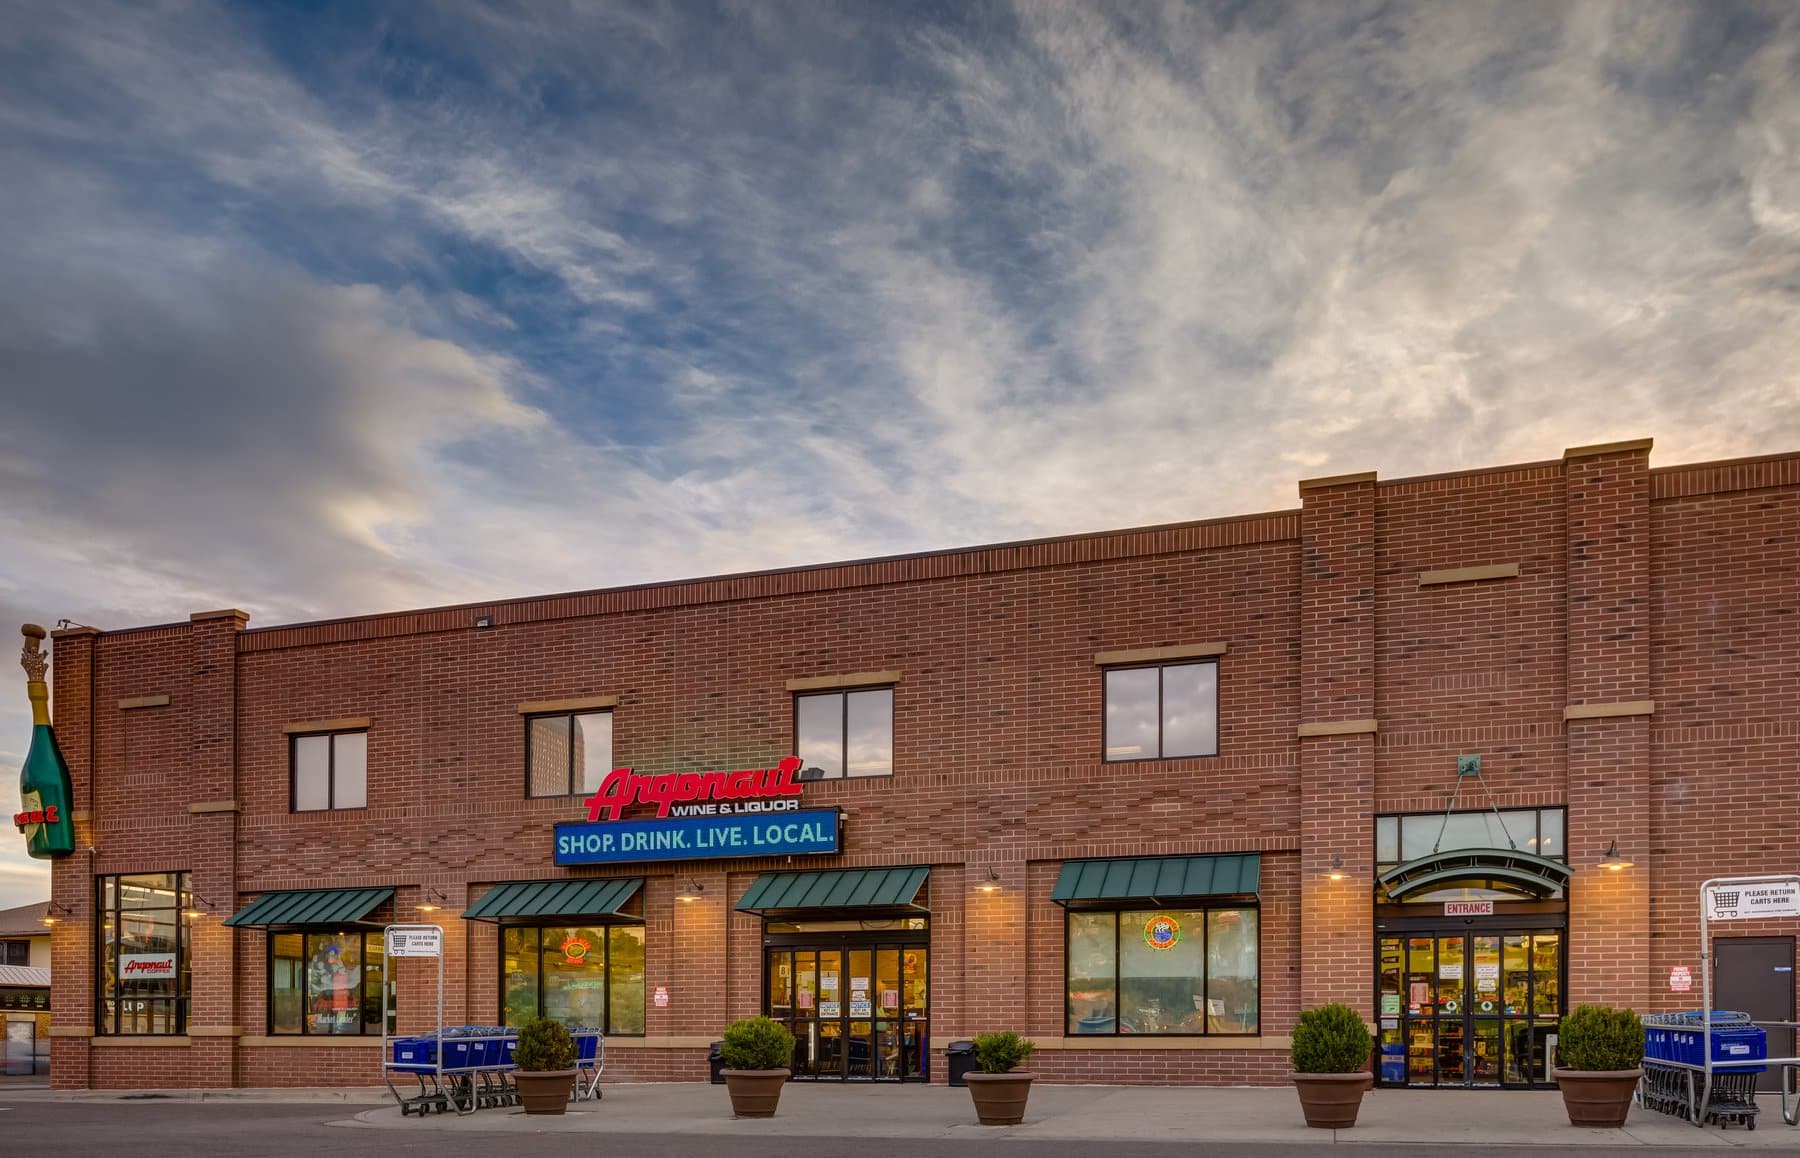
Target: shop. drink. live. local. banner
[{"x": 699, "y": 816}]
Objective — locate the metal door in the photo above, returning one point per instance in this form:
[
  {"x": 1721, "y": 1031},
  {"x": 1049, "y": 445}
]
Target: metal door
[{"x": 1756, "y": 975}]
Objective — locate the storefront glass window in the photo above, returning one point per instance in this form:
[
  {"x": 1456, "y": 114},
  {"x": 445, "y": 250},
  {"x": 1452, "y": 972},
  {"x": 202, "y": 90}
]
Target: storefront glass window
[
  {"x": 326, "y": 983},
  {"x": 1233, "y": 972},
  {"x": 580, "y": 975},
  {"x": 141, "y": 971},
  {"x": 1164, "y": 971},
  {"x": 1399, "y": 839},
  {"x": 1093, "y": 972}
]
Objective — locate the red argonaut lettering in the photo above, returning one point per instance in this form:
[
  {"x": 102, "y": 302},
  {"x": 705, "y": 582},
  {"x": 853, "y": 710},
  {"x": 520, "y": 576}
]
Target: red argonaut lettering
[{"x": 622, "y": 788}]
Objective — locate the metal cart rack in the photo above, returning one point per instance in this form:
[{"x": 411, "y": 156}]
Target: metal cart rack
[
  {"x": 464, "y": 1068},
  {"x": 1704, "y": 1087}
]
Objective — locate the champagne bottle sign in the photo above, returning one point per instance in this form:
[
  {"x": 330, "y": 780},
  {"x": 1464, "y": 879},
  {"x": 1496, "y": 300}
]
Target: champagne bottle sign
[{"x": 44, "y": 792}]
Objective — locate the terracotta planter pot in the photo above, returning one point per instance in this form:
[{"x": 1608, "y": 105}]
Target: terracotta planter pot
[
  {"x": 544, "y": 1091},
  {"x": 1598, "y": 1097},
  {"x": 754, "y": 1093},
  {"x": 1331, "y": 1101},
  {"x": 1000, "y": 1098}
]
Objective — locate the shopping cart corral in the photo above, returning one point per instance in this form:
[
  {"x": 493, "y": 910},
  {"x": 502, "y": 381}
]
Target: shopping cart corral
[
  {"x": 469, "y": 1067},
  {"x": 1704, "y": 1064}
]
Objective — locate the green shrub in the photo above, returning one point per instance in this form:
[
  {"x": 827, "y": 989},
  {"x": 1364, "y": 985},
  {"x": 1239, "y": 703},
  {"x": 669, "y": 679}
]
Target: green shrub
[
  {"x": 756, "y": 1043},
  {"x": 1331, "y": 1039},
  {"x": 997, "y": 1053},
  {"x": 1599, "y": 1037},
  {"x": 544, "y": 1045}
]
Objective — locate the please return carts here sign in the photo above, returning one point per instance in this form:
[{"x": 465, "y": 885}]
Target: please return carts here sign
[
  {"x": 416, "y": 941},
  {"x": 1740, "y": 902}
]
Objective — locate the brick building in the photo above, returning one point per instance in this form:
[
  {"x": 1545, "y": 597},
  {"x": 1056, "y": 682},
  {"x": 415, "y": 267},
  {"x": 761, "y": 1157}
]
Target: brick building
[{"x": 1142, "y": 795}]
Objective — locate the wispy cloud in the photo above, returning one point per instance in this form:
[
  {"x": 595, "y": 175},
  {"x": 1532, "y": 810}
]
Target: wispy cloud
[{"x": 330, "y": 312}]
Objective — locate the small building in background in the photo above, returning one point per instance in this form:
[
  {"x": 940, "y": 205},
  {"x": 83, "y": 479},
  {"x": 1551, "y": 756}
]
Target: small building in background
[{"x": 25, "y": 989}]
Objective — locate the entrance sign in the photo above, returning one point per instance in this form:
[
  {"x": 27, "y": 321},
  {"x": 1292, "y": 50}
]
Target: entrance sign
[
  {"x": 1468, "y": 908},
  {"x": 1681, "y": 980},
  {"x": 1740, "y": 902},
  {"x": 805, "y": 833},
  {"x": 415, "y": 941}
]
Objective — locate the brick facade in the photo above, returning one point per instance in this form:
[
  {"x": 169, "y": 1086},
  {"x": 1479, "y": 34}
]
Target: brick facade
[{"x": 1660, "y": 605}]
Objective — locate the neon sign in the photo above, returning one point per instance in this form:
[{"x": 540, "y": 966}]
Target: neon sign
[
  {"x": 687, "y": 793},
  {"x": 1162, "y": 932}
]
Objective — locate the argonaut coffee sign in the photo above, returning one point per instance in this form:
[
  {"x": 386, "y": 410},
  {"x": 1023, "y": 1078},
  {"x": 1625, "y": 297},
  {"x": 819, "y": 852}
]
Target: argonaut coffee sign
[{"x": 699, "y": 816}]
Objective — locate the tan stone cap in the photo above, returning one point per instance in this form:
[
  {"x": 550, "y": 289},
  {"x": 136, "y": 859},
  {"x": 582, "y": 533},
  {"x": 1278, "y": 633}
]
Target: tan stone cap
[
  {"x": 1469, "y": 574},
  {"x": 1625, "y": 447},
  {"x": 574, "y": 704},
  {"x": 1336, "y": 480},
  {"x": 1157, "y": 654},
  {"x": 856, "y": 679},
  {"x": 224, "y": 613},
  {"x": 1609, "y": 711},
  {"x": 1338, "y": 728},
  {"x": 345, "y": 724}
]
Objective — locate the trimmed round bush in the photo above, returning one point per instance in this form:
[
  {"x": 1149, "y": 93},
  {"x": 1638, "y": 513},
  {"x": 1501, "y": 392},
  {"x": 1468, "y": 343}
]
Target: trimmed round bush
[
  {"x": 544, "y": 1046},
  {"x": 1600, "y": 1037},
  {"x": 756, "y": 1043},
  {"x": 1331, "y": 1039},
  {"x": 998, "y": 1053}
]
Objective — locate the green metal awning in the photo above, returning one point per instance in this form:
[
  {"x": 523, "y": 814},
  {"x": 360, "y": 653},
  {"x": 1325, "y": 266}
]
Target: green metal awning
[
  {"x": 1159, "y": 879},
  {"x": 310, "y": 907},
  {"x": 1506, "y": 869},
  {"x": 586, "y": 898},
  {"x": 892, "y": 889}
]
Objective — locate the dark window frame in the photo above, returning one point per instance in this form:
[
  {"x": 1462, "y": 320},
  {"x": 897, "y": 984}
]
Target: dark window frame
[
  {"x": 11, "y": 949},
  {"x": 331, "y": 804},
  {"x": 570, "y": 716},
  {"x": 1437, "y": 814},
  {"x": 1202, "y": 905},
  {"x": 844, "y": 695},
  {"x": 184, "y": 899},
  {"x": 606, "y": 944},
  {"x": 369, "y": 936},
  {"x": 1160, "y": 666}
]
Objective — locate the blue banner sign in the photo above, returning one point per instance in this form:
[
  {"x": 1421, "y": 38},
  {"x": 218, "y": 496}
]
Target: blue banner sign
[{"x": 804, "y": 833}]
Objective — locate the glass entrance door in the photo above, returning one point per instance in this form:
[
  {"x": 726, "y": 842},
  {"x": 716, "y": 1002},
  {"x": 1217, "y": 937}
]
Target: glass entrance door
[
  {"x": 1468, "y": 1008},
  {"x": 858, "y": 1012}
]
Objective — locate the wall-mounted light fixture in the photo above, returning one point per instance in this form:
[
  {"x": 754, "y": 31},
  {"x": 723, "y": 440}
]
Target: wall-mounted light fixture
[
  {"x": 991, "y": 882},
  {"x": 428, "y": 902},
  {"x": 198, "y": 906},
  {"x": 1336, "y": 871},
  {"x": 690, "y": 892},
  {"x": 1612, "y": 861},
  {"x": 56, "y": 914},
  {"x": 483, "y": 622}
]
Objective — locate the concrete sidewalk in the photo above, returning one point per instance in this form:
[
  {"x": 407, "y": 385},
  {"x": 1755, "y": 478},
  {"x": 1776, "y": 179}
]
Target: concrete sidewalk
[
  {"x": 1105, "y": 1113},
  {"x": 1056, "y": 1113}
]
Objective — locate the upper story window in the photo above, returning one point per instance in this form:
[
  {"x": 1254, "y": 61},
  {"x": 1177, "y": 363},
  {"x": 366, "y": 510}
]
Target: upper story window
[
  {"x": 141, "y": 971},
  {"x": 845, "y": 734},
  {"x": 331, "y": 770},
  {"x": 568, "y": 753},
  {"x": 1162, "y": 711},
  {"x": 15, "y": 952}
]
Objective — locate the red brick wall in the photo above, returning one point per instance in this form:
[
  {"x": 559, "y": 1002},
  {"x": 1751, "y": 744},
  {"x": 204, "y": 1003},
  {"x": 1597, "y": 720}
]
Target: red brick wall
[{"x": 1677, "y": 586}]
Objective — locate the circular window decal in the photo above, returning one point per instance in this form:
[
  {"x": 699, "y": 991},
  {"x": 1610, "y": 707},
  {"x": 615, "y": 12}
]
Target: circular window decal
[
  {"x": 575, "y": 951},
  {"x": 1162, "y": 932},
  {"x": 1451, "y": 1007}
]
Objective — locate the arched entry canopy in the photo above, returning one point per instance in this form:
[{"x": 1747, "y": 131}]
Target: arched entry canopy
[{"x": 1500, "y": 869}]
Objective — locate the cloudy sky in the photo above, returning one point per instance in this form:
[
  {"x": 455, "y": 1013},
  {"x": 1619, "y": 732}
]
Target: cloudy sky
[{"x": 324, "y": 309}]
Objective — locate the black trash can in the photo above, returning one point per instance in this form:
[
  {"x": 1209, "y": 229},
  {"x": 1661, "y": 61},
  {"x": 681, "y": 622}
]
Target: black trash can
[
  {"x": 960, "y": 1057},
  {"x": 718, "y": 1064}
]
